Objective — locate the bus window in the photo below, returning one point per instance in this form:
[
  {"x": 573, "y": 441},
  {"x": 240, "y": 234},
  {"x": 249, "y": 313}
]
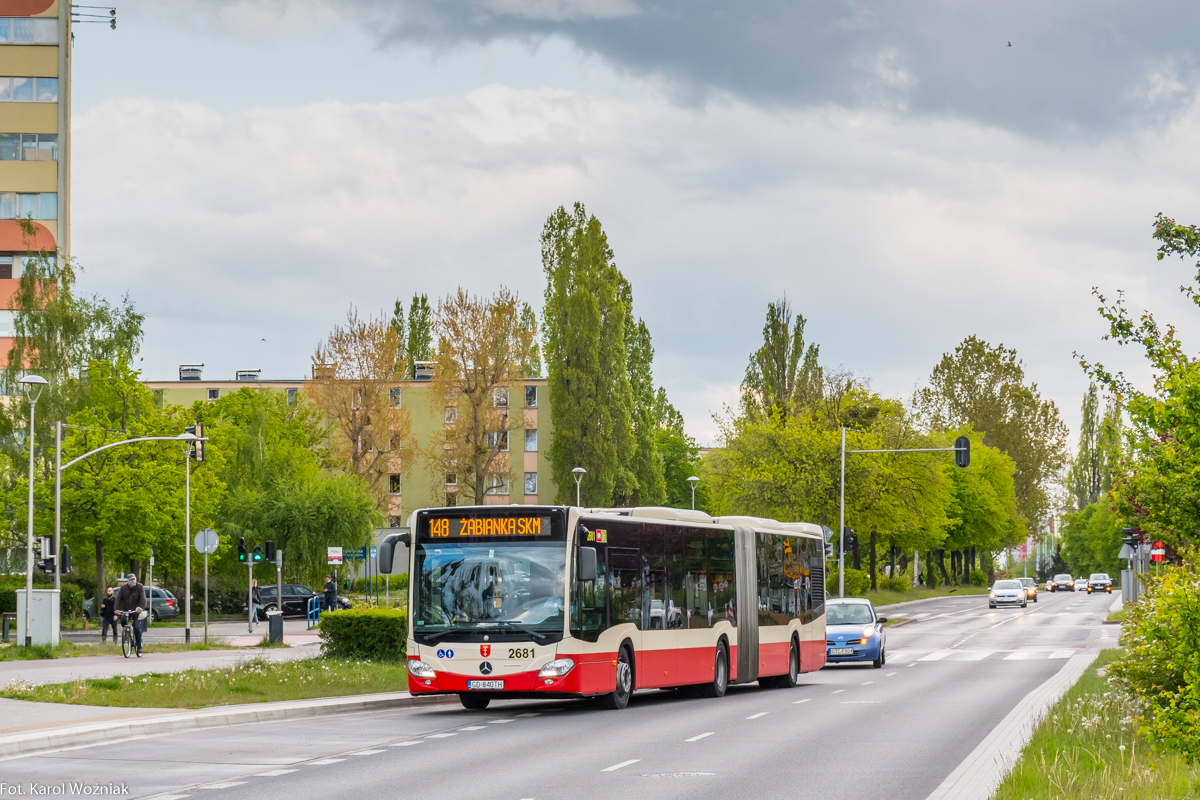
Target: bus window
[{"x": 678, "y": 610}]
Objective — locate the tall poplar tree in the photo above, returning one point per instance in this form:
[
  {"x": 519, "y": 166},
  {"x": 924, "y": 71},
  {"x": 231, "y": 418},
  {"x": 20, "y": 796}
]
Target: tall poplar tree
[
  {"x": 584, "y": 325},
  {"x": 647, "y": 465},
  {"x": 419, "y": 346},
  {"x": 782, "y": 374}
]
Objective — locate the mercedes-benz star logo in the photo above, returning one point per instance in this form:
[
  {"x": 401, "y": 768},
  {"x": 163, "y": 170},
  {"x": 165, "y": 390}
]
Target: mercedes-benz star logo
[{"x": 485, "y": 668}]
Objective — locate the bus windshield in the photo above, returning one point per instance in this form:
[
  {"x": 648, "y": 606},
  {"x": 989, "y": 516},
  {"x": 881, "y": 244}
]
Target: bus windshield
[{"x": 481, "y": 586}]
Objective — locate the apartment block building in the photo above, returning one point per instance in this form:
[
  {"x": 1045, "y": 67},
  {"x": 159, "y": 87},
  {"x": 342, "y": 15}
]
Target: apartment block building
[
  {"x": 35, "y": 117},
  {"x": 420, "y": 479}
]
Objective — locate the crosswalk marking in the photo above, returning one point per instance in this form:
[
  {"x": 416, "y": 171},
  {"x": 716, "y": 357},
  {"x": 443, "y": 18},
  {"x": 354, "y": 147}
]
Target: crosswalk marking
[
  {"x": 1062, "y": 654},
  {"x": 977, "y": 656},
  {"x": 935, "y": 656},
  {"x": 1019, "y": 655}
]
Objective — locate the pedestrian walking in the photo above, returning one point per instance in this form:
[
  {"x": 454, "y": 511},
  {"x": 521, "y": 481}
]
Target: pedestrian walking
[
  {"x": 255, "y": 600},
  {"x": 330, "y": 594},
  {"x": 108, "y": 616}
]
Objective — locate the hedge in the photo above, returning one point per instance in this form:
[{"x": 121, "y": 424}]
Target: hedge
[
  {"x": 375, "y": 633},
  {"x": 70, "y": 601}
]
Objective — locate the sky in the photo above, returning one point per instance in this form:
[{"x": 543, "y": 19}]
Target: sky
[{"x": 907, "y": 174}]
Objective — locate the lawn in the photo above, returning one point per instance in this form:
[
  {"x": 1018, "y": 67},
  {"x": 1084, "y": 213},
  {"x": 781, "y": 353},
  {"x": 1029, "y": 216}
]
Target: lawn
[
  {"x": 251, "y": 681},
  {"x": 1087, "y": 749},
  {"x": 882, "y": 597},
  {"x": 66, "y": 649}
]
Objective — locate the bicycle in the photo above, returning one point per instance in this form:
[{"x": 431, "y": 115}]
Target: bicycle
[{"x": 127, "y": 632}]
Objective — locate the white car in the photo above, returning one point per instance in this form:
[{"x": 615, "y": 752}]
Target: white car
[
  {"x": 1007, "y": 593},
  {"x": 1081, "y": 584}
]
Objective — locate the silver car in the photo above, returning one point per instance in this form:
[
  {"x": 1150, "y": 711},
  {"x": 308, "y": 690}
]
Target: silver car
[{"x": 1007, "y": 593}]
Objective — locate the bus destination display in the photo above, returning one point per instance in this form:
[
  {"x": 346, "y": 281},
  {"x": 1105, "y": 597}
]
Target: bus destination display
[{"x": 470, "y": 527}]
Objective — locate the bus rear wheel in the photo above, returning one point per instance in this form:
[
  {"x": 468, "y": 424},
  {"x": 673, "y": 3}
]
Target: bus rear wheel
[
  {"x": 619, "y": 696},
  {"x": 475, "y": 702},
  {"x": 720, "y": 681},
  {"x": 788, "y": 680}
]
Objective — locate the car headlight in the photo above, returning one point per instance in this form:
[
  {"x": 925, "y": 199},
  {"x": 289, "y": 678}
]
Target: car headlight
[
  {"x": 557, "y": 668},
  {"x": 868, "y": 631},
  {"x": 419, "y": 669},
  {"x": 992, "y": 595}
]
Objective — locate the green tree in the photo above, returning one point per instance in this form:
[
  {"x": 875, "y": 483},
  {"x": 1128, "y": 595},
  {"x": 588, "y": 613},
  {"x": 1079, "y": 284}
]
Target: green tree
[
  {"x": 1092, "y": 538},
  {"x": 1099, "y": 447},
  {"x": 680, "y": 457},
  {"x": 532, "y": 368},
  {"x": 782, "y": 374},
  {"x": 419, "y": 344},
  {"x": 584, "y": 324},
  {"x": 647, "y": 465}
]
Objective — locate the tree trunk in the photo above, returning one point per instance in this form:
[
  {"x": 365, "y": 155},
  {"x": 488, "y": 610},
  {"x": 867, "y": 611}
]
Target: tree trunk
[
  {"x": 941, "y": 562},
  {"x": 101, "y": 582},
  {"x": 929, "y": 568},
  {"x": 991, "y": 568},
  {"x": 874, "y": 564},
  {"x": 857, "y": 562},
  {"x": 903, "y": 561},
  {"x": 892, "y": 561}
]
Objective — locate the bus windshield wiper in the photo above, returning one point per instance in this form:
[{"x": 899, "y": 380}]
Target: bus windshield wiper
[{"x": 541, "y": 637}]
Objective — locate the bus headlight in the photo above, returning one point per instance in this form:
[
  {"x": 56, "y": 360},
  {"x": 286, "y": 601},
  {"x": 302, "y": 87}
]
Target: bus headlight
[
  {"x": 419, "y": 669},
  {"x": 557, "y": 668}
]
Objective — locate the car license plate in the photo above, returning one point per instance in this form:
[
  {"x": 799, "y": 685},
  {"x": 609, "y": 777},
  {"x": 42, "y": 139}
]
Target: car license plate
[
  {"x": 842, "y": 651},
  {"x": 485, "y": 684}
]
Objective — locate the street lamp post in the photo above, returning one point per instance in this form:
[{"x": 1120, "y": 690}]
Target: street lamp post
[
  {"x": 33, "y": 386},
  {"x": 693, "y": 481},
  {"x": 578, "y": 472}
]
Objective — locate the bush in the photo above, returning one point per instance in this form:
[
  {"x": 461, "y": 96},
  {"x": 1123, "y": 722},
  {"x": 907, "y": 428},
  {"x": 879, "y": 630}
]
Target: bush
[
  {"x": 374, "y": 633},
  {"x": 978, "y": 578},
  {"x": 900, "y": 583},
  {"x": 70, "y": 602},
  {"x": 857, "y": 582},
  {"x": 1161, "y": 664}
]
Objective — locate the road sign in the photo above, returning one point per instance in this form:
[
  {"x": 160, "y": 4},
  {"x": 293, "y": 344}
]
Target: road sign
[
  {"x": 374, "y": 551},
  {"x": 1126, "y": 552},
  {"x": 1158, "y": 552},
  {"x": 207, "y": 541},
  {"x": 334, "y": 555}
]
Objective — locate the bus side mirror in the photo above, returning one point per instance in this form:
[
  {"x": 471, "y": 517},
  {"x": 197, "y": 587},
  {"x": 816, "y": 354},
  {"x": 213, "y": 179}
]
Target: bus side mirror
[
  {"x": 387, "y": 549},
  {"x": 587, "y": 564}
]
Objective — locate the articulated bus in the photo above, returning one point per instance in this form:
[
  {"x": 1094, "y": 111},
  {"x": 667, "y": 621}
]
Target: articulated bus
[{"x": 552, "y": 601}]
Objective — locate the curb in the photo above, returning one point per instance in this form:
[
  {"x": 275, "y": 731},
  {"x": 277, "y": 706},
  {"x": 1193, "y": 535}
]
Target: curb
[
  {"x": 908, "y": 603},
  {"x": 88, "y": 734},
  {"x": 981, "y": 772}
]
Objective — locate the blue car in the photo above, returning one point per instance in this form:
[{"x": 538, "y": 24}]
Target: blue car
[{"x": 853, "y": 633}]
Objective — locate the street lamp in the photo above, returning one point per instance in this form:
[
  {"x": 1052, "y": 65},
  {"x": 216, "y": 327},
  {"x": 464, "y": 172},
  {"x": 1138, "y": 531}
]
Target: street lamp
[
  {"x": 578, "y": 472},
  {"x": 33, "y": 386},
  {"x": 693, "y": 481}
]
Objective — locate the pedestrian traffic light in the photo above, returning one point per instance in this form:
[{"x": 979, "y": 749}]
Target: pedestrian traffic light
[
  {"x": 257, "y": 554},
  {"x": 1132, "y": 536},
  {"x": 851, "y": 539},
  {"x": 962, "y": 452},
  {"x": 270, "y": 551},
  {"x": 66, "y": 559},
  {"x": 242, "y": 550},
  {"x": 197, "y": 451}
]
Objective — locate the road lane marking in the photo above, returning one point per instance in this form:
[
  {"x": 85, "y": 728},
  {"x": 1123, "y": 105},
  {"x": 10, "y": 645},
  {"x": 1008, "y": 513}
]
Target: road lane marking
[
  {"x": 498, "y": 721},
  {"x": 440, "y": 735},
  {"x": 839, "y": 691},
  {"x": 805, "y": 700},
  {"x": 406, "y": 744},
  {"x": 1019, "y": 655},
  {"x": 890, "y": 674},
  {"x": 868, "y": 683},
  {"x": 1062, "y": 654},
  {"x": 1004, "y": 621},
  {"x": 935, "y": 656},
  {"x": 325, "y": 761},
  {"x": 701, "y": 736},
  {"x": 759, "y": 714},
  {"x": 223, "y": 785},
  {"x": 530, "y": 714},
  {"x": 275, "y": 773},
  {"x": 473, "y": 728},
  {"x": 616, "y": 767},
  {"x": 913, "y": 664},
  {"x": 978, "y": 655},
  {"x": 170, "y": 796},
  {"x": 366, "y": 752}
]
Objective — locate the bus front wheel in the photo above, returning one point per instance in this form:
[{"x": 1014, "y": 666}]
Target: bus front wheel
[
  {"x": 619, "y": 696},
  {"x": 720, "y": 681},
  {"x": 475, "y": 702}
]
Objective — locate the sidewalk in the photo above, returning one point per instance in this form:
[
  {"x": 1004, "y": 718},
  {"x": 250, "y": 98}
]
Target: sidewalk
[
  {"x": 62, "y": 670},
  {"x": 234, "y": 633}
]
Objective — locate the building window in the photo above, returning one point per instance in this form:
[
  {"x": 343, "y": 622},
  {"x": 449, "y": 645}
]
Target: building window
[
  {"x": 498, "y": 441},
  {"x": 394, "y": 483},
  {"x": 28, "y": 147},
  {"x": 451, "y": 479},
  {"x": 531, "y": 397},
  {"x": 213, "y": 394},
  {"x": 451, "y": 415},
  {"x": 531, "y": 440},
  {"x": 394, "y": 522},
  {"x": 530, "y": 483},
  {"x": 451, "y": 499},
  {"x": 500, "y": 397},
  {"x": 34, "y": 206},
  {"x": 395, "y": 393},
  {"x": 28, "y": 90},
  {"x": 28, "y": 30},
  {"x": 291, "y": 396},
  {"x": 496, "y": 484},
  {"x": 6, "y": 323}
]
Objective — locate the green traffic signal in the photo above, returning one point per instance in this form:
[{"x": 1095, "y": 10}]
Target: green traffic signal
[
  {"x": 242, "y": 550},
  {"x": 257, "y": 554}
]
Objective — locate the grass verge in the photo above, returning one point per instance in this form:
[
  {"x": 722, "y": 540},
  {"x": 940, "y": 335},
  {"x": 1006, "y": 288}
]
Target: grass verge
[
  {"x": 882, "y": 597},
  {"x": 1087, "y": 747},
  {"x": 66, "y": 649},
  {"x": 1118, "y": 616},
  {"x": 252, "y": 681}
]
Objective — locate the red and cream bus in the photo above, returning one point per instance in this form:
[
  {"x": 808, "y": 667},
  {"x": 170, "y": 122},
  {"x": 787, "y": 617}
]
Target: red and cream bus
[{"x": 552, "y": 601}]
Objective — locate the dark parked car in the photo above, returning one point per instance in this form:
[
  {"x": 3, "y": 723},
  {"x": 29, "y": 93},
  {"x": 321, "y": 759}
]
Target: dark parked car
[
  {"x": 164, "y": 605},
  {"x": 295, "y": 600}
]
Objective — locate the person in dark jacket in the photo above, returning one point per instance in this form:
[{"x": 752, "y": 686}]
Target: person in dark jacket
[
  {"x": 330, "y": 594},
  {"x": 255, "y": 600},
  {"x": 132, "y": 598},
  {"x": 108, "y": 616}
]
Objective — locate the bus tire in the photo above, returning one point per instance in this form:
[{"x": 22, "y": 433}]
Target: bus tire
[
  {"x": 720, "y": 681},
  {"x": 474, "y": 702},
  {"x": 789, "y": 680},
  {"x": 619, "y": 697}
]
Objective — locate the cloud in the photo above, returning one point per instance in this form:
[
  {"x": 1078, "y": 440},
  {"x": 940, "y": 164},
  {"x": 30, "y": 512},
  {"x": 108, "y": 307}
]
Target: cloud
[{"x": 896, "y": 236}]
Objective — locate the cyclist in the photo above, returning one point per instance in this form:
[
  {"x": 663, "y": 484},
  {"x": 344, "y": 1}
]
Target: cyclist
[{"x": 132, "y": 598}]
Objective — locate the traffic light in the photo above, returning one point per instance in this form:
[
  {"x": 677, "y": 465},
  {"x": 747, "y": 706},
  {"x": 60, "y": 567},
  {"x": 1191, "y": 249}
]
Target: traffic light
[
  {"x": 962, "y": 452},
  {"x": 1132, "y": 536},
  {"x": 66, "y": 559},
  {"x": 271, "y": 552},
  {"x": 242, "y": 550},
  {"x": 197, "y": 451},
  {"x": 257, "y": 554},
  {"x": 851, "y": 539}
]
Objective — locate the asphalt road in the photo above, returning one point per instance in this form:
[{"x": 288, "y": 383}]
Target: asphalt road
[{"x": 846, "y": 732}]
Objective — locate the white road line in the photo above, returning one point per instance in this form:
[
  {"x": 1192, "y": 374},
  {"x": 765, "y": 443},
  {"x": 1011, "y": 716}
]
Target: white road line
[
  {"x": 223, "y": 785},
  {"x": 170, "y": 796},
  {"x": 805, "y": 700},
  {"x": 978, "y": 655},
  {"x": 1019, "y": 655},
  {"x": 473, "y": 728},
  {"x": 922, "y": 614},
  {"x": 275, "y": 773},
  {"x": 498, "y": 721},
  {"x": 366, "y": 752},
  {"x": 890, "y": 674},
  {"x": 440, "y": 735},
  {"x": 530, "y": 714},
  {"x": 913, "y": 664},
  {"x": 1062, "y": 654},
  {"x": 759, "y": 714},
  {"x": 935, "y": 656},
  {"x": 325, "y": 761},
  {"x": 868, "y": 683},
  {"x": 405, "y": 744},
  {"x": 1004, "y": 621},
  {"x": 616, "y": 767},
  {"x": 839, "y": 691},
  {"x": 701, "y": 736}
]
